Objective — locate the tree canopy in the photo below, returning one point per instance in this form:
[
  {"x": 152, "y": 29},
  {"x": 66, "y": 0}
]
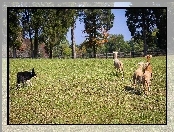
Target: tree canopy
[{"x": 50, "y": 26}]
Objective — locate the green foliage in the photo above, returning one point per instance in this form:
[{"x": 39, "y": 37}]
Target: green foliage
[
  {"x": 115, "y": 43},
  {"x": 125, "y": 47},
  {"x": 66, "y": 50},
  {"x": 85, "y": 91},
  {"x": 161, "y": 23},
  {"x": 14, "y": 28},
  {"x": 33, "y": 21},
  {"x": 95, "y": 20},
  {"x": 47, "y": 25},
  {"x": 143, "y": 24},
  {"x": 62, "y": 50},
  {"x": 57, "y": 26},
  {"x": 138, "y": 47},
  {"x": 15, "y": 31}
]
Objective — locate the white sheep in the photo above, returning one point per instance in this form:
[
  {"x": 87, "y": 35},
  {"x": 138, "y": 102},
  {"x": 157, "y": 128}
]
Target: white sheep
[{"x": 118, "y": 64}]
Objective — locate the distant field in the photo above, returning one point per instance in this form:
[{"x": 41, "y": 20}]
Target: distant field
[{"x": 85, "y": 91}]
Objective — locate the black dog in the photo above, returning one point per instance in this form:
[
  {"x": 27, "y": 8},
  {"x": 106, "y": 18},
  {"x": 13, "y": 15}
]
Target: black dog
[{"x": 25, "y": 77}]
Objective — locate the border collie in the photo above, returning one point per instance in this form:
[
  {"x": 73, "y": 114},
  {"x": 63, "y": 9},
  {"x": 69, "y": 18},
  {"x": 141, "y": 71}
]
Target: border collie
[{"x": 25, "y": 77}]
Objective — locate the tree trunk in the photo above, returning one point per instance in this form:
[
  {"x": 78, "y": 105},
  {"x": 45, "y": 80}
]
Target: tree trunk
[
  {"x": 73, "y": 44},
  {"x": 94, "y": 50},
  {"x": 144, "y": 33},
  {"x": 14, "y": 51},
  {"x": 94, "y": 42},
  {"x": 31, "y": 43},
  {"x": 106, "y": 55},
  {"x": 51, "y": 52},
  {"x": 36, "y": 44}
]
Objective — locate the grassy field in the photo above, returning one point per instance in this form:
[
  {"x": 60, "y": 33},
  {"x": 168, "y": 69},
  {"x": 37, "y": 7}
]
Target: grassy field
[{"x": 85, "y": 91}]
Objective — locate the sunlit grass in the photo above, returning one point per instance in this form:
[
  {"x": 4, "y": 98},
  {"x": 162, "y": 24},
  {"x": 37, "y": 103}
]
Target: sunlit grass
[{"x": 85, "y": 91}]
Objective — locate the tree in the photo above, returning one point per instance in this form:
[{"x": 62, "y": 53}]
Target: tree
[
  {"x": 159, "y": 16},
  {"x": 74, "y": 16},
  {"x": 73, "y": 43},
  {"x": 85, "y": 49},
  {"x": 27, "y": 27},
  {"x": 15, "y": 35},
  {"x": 160, "y": 34},
  {"x": 95, "y": 21},
  {"x": 116, "y": 43},
  {"x": 33, "y": 21},
  {"x": 62, "y": 49},
  {"x": 141, "y": 23},
  {"x": 38, "y": 21},
  {"x": 55, "y": 28}
]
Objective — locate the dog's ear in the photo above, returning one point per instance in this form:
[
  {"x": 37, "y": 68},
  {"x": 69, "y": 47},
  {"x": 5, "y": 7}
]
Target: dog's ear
[{"x": 150, "y": 56}]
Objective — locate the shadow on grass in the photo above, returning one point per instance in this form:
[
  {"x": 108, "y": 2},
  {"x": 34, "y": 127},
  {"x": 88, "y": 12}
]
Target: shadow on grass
[{"x": 132, "y": 90}]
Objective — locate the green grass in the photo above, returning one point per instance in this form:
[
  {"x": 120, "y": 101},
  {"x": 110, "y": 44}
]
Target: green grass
[{"x": 85, "y": 91}]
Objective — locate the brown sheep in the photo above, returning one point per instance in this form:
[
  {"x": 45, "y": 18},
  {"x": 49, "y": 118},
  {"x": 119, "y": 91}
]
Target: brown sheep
[
  {"x": 138, "y": 74},
  {"x": 146, "y": 81},
  {"x": 149, "y": 67}
]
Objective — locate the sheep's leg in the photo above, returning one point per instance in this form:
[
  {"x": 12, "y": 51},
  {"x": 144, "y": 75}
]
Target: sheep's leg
[
  {"x": 134, "y": 81},
  {"x": 122, "y": 72},
  {"x": 149, "y": 88},
  {"x": 141, "y": 88},
  {"x": 122, "y": 75},
  {"x": 146, "y": 92},
  {"x": 151, "y": 77},
  {"x": 146, "y": 89},
  {"x": 116, "y": 72},
  {"x": 140, "y": 83}
]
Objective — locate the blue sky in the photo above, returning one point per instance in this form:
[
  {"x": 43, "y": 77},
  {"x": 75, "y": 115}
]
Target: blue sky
[{"x": 119, "y": 26}]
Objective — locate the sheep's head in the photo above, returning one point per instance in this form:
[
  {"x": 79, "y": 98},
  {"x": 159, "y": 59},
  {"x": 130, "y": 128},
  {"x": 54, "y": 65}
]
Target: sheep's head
[
  {"x": 148, "y": 57},
  {"x": 115, "y": 52}
]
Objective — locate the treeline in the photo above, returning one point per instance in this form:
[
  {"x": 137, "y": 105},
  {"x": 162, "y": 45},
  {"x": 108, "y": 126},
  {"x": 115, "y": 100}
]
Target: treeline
[{"x": 50, "y": 26}]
